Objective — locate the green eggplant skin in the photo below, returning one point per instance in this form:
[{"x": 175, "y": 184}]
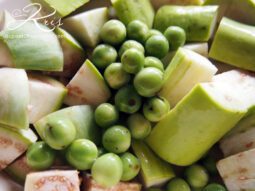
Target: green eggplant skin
[
  {"x": 131, "y": 10},
  {"x": 20, "y": 38},
  {"x": 234, "y": 44},
  {"x": 81, "y": 116},
  {"x": 154, "y": 171},
  {"x": 197, "y": 21},
  {"x": 159, "y": 3},
  {"x": 238, "y": 10},
  {"x": 62, "y": 8},
  {"x": 74, "y": 55},
  {"x": 192, "y": 127}
]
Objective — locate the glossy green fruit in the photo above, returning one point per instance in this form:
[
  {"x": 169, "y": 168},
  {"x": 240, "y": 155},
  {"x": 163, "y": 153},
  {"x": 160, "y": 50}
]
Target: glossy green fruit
[
  {"x": 40, "y": 156},
  {"x": 178, "y": 184},
  {"x": 155, "y": 108},
  {"x": 149, "y": 81},
  {"x": 157, "y": 45},
  {"x": 113, "y": 32},
  {"x": 103, "y": 55},
  {"x": 81, "y": 154},
  {"x": 82, "y": 117},
  {"x": 139, "y": 127},
  {"x": 214, "y": 187},
  {"x": 176, "y": 37},
  {"x": 153, "y": 32},
  {"x": 197, "y": 176},
  {"x": 117, "y": 139},
  {"x": 127, "y": 100},
  {"x": 151, "y": 61},
  {"x": 106, "y": 115},
  {"x": 59, "y": 133},
  {"x": 131, "y": 166},
  {"x": 107, "y": 170},
  {"x": 137, "y": 30},
  {"x": 131, "y": 44},
  {"x": 116, "y": 76},
  {"x": 132, "y": 60}
]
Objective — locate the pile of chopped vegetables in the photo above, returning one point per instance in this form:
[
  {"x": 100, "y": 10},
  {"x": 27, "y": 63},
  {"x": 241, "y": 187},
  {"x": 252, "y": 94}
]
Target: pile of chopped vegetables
[{"x": 129, "y": 95}]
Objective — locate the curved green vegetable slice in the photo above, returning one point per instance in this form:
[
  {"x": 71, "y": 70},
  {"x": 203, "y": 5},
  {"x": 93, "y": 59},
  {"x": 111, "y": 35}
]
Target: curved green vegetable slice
[
  {"x": 197, "y": 21},
  {"x": 32, "y": 46},
  {"x": 234, "y": 44},
  {"x": 46, "y": 96},
  {"x": 154, "y": 171},
  {"x": 14, "y": 98},
  {"x": 87, "y": 87},
  {"x": 203, "y": 117},
  {"x": 130, "y": 10}
]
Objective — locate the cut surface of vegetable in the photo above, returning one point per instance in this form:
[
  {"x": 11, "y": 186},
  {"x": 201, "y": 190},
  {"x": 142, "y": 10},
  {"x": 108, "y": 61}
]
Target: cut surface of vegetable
[
  {"x": 154, "y": 171},
  {"x": 237, "y": 171},
  {"x": 91, "y": 185},
  {"x": 46, "y": 96},
  {"x": 82, "y": 117},
  {"x": 128, "y": 11},
  {"x": 62, "y": 8},
  {"x": 13, "y": 144},
  {"x": 197, "y": 21},
  {"x": 85, "y": 27},
  {"x": 200, "y": 48},
  {"x": 46, "y": 54},
  {"x": 237, "y": 143},
  {"x": 57, "y": 180},
  {"x": 203, "y": 117},
  {"x": 241, "y": 137},
  {"x": 74, "y": 55},
  {"x": 6, "y": 184},
  {"x": 87, "y": 87},
  {"x": 14, "y": 99},
  {"x": 19, "y": 169},
  {"x": 186, "y": 69},
  {"x": 233, "y": 44}
]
